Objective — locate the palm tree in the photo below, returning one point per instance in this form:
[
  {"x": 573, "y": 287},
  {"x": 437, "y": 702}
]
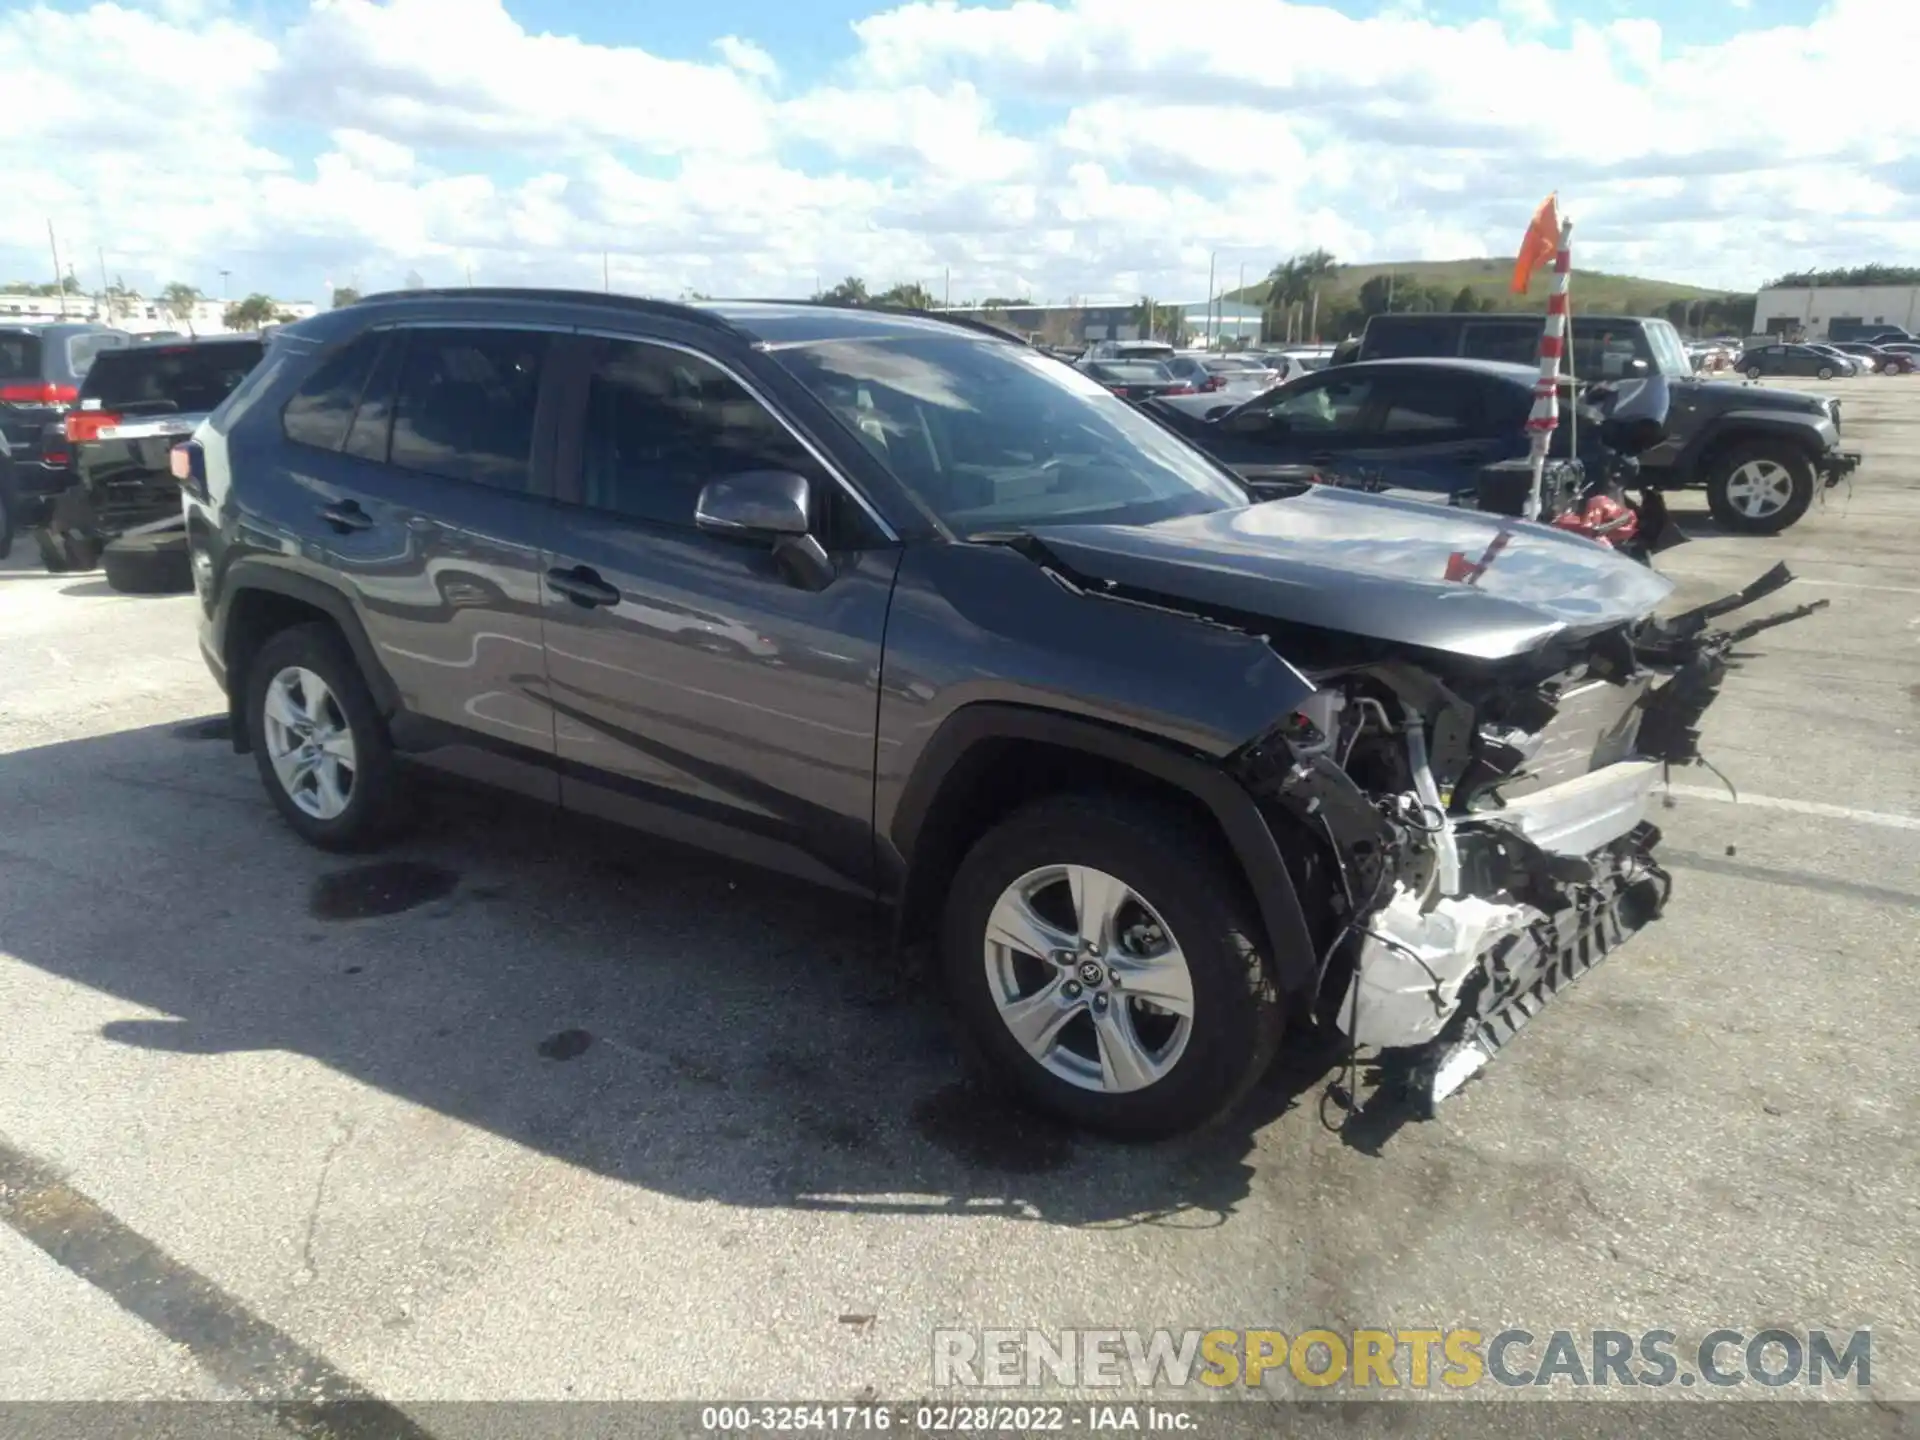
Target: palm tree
[
  {"x": 908, "y": 296},
  {"x": 178, "y": 301},
  {"x": 850, "y": 291},
  {"x": 252, "y": 313}
]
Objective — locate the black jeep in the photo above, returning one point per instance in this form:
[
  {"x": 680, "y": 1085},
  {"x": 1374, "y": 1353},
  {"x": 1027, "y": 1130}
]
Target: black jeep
[{"x": 1761, "y": 453}]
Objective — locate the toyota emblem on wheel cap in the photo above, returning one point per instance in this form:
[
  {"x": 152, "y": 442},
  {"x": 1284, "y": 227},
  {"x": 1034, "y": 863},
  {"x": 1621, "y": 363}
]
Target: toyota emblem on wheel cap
[{"x": 1090, "y": 973}]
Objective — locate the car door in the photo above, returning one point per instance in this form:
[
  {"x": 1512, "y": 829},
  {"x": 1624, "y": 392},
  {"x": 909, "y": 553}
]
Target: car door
[
  {"x": 703, "y": 691},
  {"x": 1312, "y": 422},
  {"x": 1428, "y": 429},
  {"x": 423, "y": 466}
]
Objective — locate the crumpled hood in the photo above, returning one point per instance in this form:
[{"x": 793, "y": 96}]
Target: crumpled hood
[{"x": 1375, "y": 566}]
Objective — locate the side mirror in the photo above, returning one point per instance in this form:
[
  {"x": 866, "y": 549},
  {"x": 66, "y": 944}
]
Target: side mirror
[
  {"x": 767, "y": 505},
  {"x": 755, "y": 503}
]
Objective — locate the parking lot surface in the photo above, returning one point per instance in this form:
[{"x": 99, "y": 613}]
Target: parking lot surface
[{"x": 524, "y": 1109}]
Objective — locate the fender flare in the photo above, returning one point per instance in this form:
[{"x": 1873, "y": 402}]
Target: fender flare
[
  {"x": 1245, "y": 829},
  {"x": 1738, "y": 425},
  {"x": 248, "y": 575}
]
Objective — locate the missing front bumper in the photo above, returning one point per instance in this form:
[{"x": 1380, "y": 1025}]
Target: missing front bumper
[{"x": 1514, "y": 984}]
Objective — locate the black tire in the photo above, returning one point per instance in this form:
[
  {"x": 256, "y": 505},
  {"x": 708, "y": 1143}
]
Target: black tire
[
  {"x": 1825, "y": 372},
  {"x": 63, "y": 553},
  {"x": 1166, "y": 860},
  {"x": 1753, "y": 372},
  {"x": 377, "y": 803},
  {"x": 1794, "y": 460},
  {"x": 149, "y": 564}
]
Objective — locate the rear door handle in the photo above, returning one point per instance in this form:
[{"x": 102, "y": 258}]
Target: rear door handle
[
  {"x": 583, "y": 587},
  {"x": 346, "y": 515}
]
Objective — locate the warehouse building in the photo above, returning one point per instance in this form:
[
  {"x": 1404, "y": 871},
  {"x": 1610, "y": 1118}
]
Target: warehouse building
[{"x": 1811, "y": 311}]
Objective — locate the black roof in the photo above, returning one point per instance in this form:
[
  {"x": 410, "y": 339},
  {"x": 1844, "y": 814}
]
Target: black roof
[{"x": 770, "y": 322}]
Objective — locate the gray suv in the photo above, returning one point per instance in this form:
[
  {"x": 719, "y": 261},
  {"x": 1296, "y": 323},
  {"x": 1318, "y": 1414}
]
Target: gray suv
[{"x": 901, "y": 605}]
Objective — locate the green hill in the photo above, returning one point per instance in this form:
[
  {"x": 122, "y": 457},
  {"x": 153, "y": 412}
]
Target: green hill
[{"x": 1488, "y": 279}]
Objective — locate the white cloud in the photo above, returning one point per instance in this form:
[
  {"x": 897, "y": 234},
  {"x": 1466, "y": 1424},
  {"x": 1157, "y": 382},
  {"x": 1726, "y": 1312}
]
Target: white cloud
[{"x": 1052, "y": 147}]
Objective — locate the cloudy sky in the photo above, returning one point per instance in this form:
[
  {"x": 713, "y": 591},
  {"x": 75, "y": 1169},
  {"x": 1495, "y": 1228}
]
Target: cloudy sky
[{"x": 1099, "y": 148}]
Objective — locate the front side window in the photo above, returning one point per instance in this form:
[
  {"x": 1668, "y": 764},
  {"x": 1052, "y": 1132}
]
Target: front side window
[
  {"x": 661, "y": 423},
  {"x": 465, "y": 405},
  {"x": 993, "y": 436},
  {"x": 1328, "y": 407}
]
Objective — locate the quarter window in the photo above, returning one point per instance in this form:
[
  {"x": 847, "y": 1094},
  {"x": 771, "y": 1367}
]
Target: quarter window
[
  {"x": 466, "y": 404},
  {"x": 661, "y": 423},
  {"x": 322, "y": 408}
]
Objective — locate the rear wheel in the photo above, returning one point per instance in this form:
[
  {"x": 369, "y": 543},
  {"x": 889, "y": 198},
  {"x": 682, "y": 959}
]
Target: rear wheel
[
  {"x": 1825, "y": 372},
  {"x": 1760, "y": 488},
  {"x": 320, "y": 745},
  {"x": 1108, "y": 969}
]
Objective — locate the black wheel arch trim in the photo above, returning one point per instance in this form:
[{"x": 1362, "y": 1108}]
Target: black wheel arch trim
[
  {"x": 244, "y": 576},
  {"x": 1245, "y": 829}
]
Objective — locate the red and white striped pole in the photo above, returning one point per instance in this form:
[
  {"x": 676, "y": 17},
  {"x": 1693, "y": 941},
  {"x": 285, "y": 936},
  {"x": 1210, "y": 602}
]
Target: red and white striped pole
[{"x": 1546, "y": 390}]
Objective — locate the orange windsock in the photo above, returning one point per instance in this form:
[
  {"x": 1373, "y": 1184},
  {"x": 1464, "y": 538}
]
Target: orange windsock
[{"x": 1540, "y": 246}]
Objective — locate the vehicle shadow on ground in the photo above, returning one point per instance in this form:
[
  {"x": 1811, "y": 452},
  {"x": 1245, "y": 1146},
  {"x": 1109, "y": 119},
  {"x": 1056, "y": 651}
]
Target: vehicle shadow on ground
[{"x": 646, "y": 1012}]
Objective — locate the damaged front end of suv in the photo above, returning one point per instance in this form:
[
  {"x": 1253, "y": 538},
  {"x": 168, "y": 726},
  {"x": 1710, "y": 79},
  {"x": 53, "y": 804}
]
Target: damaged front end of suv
[
  {"x": 1490, "y": 832},
  {"x": 1489, "y": 709}
]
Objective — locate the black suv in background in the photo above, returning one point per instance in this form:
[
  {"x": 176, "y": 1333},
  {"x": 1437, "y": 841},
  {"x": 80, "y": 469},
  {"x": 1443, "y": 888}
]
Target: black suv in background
[
  {"x": 1762, "y": 454},
  {"x": 122, "y": 507},
  {"x": 901, "y": 605},
  {"x": 41, "y": 367}
]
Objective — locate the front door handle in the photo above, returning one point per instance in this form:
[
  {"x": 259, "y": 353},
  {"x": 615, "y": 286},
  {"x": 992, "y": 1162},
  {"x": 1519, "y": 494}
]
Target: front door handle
[
  {"x": 583, "y": 587},
  {"x": 345, "y": 516}
]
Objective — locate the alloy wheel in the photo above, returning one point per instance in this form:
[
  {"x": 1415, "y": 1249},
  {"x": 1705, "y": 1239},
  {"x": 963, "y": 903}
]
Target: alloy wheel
[
  {"x": 1089, "y": 979},
  {"x": 310, "y": 743},
  {"x": 1760, "y": 489}
]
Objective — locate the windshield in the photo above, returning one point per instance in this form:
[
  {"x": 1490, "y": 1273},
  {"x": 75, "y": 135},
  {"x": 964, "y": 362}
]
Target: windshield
[
  {"x": 994, "y": 437},
  {"x": 1669, "y": 355}
]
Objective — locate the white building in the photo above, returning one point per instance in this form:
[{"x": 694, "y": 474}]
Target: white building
[
  {"x": 1225, "y": 321},
  {"x": 136, "y": 314},
  {"x": 1810, "y": 310}
]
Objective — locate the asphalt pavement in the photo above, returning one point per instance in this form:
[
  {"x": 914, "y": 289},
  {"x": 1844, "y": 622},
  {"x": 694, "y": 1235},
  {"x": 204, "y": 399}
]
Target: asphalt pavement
[{"x": 525, "y": 1109}]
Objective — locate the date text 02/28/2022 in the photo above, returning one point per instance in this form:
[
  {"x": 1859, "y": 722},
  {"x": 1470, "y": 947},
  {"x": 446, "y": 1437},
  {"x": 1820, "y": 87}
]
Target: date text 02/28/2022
[{"x": 963, "y": 1419}]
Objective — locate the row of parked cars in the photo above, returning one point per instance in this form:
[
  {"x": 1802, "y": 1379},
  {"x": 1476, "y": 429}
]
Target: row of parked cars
[
  {"x": 1828, "y": 360},
  {"x": 89, "y": 416},
  {"x": 1168, "y": 751}
]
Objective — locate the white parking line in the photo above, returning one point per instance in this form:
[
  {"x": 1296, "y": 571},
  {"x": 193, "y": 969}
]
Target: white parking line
[
  {"x": 1799, "y": 807},
  {"x": 1855, "y": 585}
]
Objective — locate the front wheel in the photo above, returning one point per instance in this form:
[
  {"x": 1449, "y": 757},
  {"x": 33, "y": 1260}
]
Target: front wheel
[
  {"x": 1108, "y": 968},
  {"x": 1825, "y": 372},
  {"x": 1760, "y": 488},
  {"x": 1753, "y": 372}
]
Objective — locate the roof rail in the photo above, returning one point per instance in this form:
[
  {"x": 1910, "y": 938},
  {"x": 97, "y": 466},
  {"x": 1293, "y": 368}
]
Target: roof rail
[
  {"x": 964, "y": 321},
  {"x": 640, "y": 304}
]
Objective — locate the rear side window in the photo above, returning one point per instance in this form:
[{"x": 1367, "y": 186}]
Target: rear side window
[
  {"x": 182, "y": 379},
  {"x": 1515, "y": 341},
  {"x": 81, "y": 349},
  {"x": 322, "y": 408},
  {"x": 19, "y": 357},
  {"x": 466, "y": 404},
  {"x": 1431, "y": 406},
  {"x": 1406, "y": 337}
]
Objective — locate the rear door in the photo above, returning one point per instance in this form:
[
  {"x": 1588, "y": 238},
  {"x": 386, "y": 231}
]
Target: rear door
[
  {"x": 423, "y": 466},
  {"x": 1431, "y": 430}
]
